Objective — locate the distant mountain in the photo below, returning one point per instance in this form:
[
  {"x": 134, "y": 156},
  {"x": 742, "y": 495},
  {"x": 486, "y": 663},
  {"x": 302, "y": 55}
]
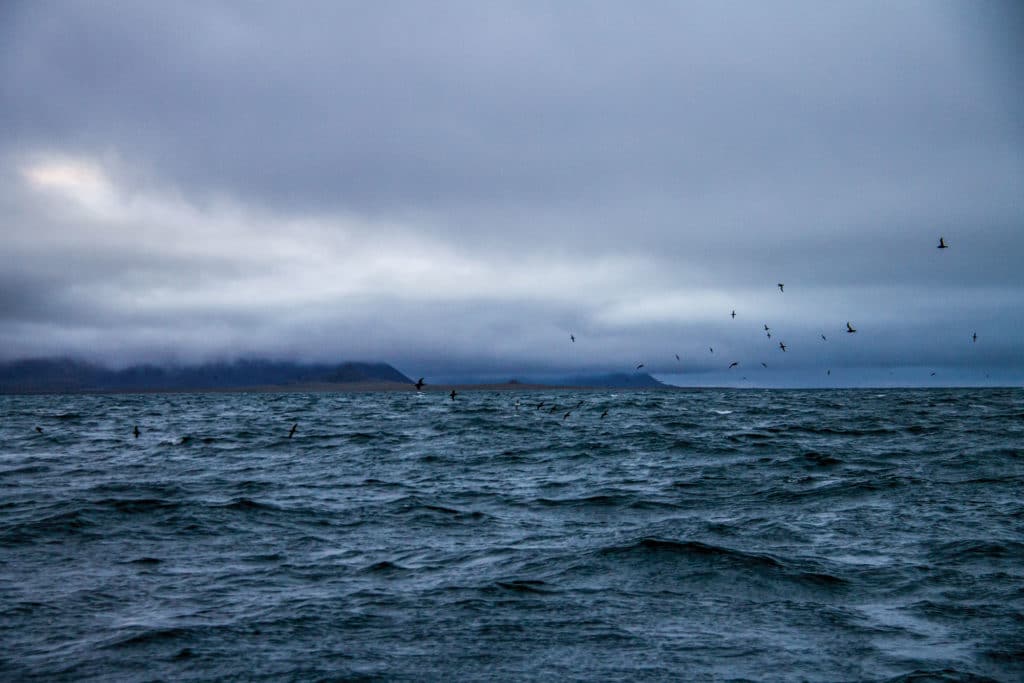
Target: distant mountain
[
  {"x": 617, "y": 380},
  {"x": 71, "y": 376}
]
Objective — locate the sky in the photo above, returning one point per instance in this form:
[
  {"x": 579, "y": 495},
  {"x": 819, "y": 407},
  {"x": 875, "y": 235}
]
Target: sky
[{"x": 457, "y": 187}]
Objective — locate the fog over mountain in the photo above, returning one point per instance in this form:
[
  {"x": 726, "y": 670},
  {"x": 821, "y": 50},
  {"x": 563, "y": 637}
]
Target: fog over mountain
[{"x": 454, "y": 188}]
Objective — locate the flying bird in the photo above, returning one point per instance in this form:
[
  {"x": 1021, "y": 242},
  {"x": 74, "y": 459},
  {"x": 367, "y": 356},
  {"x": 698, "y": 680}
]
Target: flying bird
[
  {"x": 453, "y": 395},
  {"x": 974, "y": 337},
  {"x": 824, "y": 338},
  {"x": 828, "y": 372},
  {"x": 136, "y": 431},
  {"x": 734, "y": 314},
  {"x": 782, "y": 346},
  {"x": 933, "y": 374},
  {"x": 572, "y": 338},
  {"x": 39, "y": 430},
  {"x": 769, "y": 334},
  {"x": 541, "y": 405},
  {"x": 764, "y": 364},
  {"x": 733, "y": 364},
  {"x": 639, "y": 365},
  {"x": 766, "y": 327},
  {"x": 604, "y": 414},
  {"x": 677, "y": 356},
  {"x": 942, "y": 244},
  {"x": 419, "y": 384},
  {"x": 292, "y": 432},
  {"x": 711, "y": 349},
  {"x": 781, "y": 287},
  {"x": 849, "y": 328}
]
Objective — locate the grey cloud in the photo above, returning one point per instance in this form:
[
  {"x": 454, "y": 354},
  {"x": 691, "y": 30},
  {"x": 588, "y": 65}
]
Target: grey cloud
[{"x": 724, "y": 146}]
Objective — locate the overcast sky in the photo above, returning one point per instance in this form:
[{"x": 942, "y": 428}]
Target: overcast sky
[{"x": 457, "y": 187}]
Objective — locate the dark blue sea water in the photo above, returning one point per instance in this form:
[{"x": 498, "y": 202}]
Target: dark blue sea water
[{"x": 699, "y": 535}]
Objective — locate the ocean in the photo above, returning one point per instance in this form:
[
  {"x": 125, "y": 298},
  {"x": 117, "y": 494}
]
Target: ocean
[{"x": 775, "y": 535}]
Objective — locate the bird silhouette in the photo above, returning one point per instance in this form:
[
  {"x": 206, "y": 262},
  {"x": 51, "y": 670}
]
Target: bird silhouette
[
  {"x": 733, "y": 364},
  {"x": 292, "y": 432},
  {"x": 974, "y": 337},
  {"x": 711, "y": 349},
  {"x": 453, "y": 395},
  {"x": 781, "y": 287},
  {"x": 932, "y": 375},
  {"x": 942, "y": 244},
  {"x": 782, "y": 346},
  {"x": 677, "y": 356},
  {"x": 136, "y": 431},
  {"x": 849, "y": 328},
  {"x": 604, "y": 414},
  {"x": 419, "y": 384},
  {"x": 541, "y": 405},
  {"x": 639, "y": 365},
  {"x": 572, "y": 338},
  {"x": 769, "y": 334},
  {"x": 828, "y": 372},
  {"x": 764, "y": 364},
  {"x": 824, "y": 338},
  {"x": 39, "y": 430},
  {"x": 766, "y": 328},
  {"x": 734, "y": 314}
]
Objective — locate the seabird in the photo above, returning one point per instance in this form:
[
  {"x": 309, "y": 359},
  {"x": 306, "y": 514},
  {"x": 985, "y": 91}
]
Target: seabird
[
  {"x": 711, "y": 349},
  {"x": 453, "y": 394},
  {"x": 824, "y": 338},
  {"x": 974, "y": 337},
  {"x": 567, "y": 415},
  {"x": 849, "y": 328},
  {"x": 781, "y": 286},
  {"x": 933, "y": 374},
  {"x": 828, "y": 372},
  {"x": 553, "y": 409},
  {"x": 734, "y": 314},
  {"x": 942, "y": 244},
  {"x": 782, "y": 346},
  {"x": 39, "y": 430},
  {"x": 766, "y": 327},
  {"x": 639, "y": 365},
  {"x": 677, "y": 356},
  {"x": 604, "y": 414},
  {"x": 136, "y": 431},
  {"x": 733, "y": 364},
  {"x": 294, "y": 428},
  {"x": 572, "y": 338},
  {"x": 419, "y": 384},
  {"x": 769, "y": 334},
  {"x": 541, "y": 405},
  {"x": 764, "y": 364}
]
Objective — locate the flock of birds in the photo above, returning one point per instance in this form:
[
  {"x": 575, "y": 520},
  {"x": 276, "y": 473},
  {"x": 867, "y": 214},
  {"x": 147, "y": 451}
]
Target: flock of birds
[
  {"x": 420, "y": 383},
  {"x": 850, "y": 329}
]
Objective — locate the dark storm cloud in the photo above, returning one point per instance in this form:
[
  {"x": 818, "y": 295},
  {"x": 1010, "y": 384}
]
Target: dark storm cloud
[{"x": 641, "y": 166}]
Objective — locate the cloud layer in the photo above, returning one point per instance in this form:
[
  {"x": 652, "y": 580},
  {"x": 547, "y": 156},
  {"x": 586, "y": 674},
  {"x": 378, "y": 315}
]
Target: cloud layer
[{"x": 457, "y": 187}]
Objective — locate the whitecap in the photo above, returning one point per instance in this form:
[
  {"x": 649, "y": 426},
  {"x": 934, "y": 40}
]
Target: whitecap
[{"x": 723, "y": 412}]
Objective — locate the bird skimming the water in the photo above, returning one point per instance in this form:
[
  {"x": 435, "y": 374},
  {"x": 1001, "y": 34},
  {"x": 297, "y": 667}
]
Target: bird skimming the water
[
  {"x": 942, "y": 244},
  {"x": 136, "y": 431},
  {"x": 292, "y": 432},
  {"x": 453, "y": 395},
  {"x": 419, "y": 384},
  {"x": 849, "y": 328}
]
